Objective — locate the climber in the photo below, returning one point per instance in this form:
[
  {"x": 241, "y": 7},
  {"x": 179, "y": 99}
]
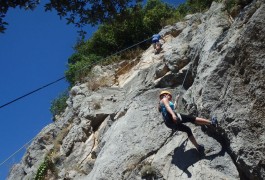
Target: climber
[
  {"x": 156, "y": 43},
  {"x": 175, "y": 120}
]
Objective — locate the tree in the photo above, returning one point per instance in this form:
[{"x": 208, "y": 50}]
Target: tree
[
  {"x": 6, "y": 4},
  {"x": 156, "y": 12},
  {"x": 78, "y": 12}
]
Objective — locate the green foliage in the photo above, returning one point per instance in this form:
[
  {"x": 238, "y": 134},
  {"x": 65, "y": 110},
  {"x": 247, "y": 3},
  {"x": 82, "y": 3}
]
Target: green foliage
[
  {"x": 183, "y": 9},
  {"x": 58, "y": 105},
  {"x": 233, "y": 7},
  {"x": 75, "y": 12},
  {"x": 75, "y": 58},
  {"x": 189, "y": 7},
  {"x": 116, "y": 35},
  {"x": 101, "y": 43},
  {"x": 198, "y": 5},
  {"x": 42, "y": 170},
  {"x": 79, "y": 66},
  {"x": 5, "y": 5},
  {"x": 156, "y": 12},
  {"x": 130, "y": 27},
  {"x": 90, "y": 12},
  {"x": 230, "y": 4}
]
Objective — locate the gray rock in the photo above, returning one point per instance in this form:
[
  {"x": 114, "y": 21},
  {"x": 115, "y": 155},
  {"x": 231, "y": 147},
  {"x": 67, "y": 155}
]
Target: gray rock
[{"x": 116, "y": 132}]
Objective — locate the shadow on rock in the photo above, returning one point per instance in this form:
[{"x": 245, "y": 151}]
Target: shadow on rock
[
  {"x": 184, "y": 159},
  {"x": 213, "y": 156}
]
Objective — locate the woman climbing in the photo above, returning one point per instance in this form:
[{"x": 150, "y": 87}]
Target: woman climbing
[{"x": 175, "y": 120}]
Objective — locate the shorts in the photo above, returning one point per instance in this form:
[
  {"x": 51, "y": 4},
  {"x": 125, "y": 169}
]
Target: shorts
[
  {"x": 180, "y": 126},
  {"x": 186, "y": 118}
]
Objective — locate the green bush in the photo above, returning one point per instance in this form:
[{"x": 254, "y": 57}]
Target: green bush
[
  {"x": 79, "y": 66},
  {"x": 58, "y": 105},
  {"x": 130, "y": 27},
  {"x": 75, "y": 58},
  {"x": 115, "y": 36},
  {"x": 195, "y": 6},
  {"x": 43, "y": 168},
  {"x": 133, "y": 26},
  {"x": 156, "y": 13}
]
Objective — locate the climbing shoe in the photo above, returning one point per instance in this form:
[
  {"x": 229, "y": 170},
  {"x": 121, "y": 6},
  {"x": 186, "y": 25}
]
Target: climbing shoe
[
  {"x": 214, "y": 121},
  {"x": 200, "y": 149}
]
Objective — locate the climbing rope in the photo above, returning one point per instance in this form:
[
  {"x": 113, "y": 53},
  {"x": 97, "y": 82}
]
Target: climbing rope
[
  {"x": 190, "y": 65},
  {"x": 16, "y": 152},
  {"x": 32, "y": 92},
  {"x": 49, "y": 84},
  {"x": 38, "y": 89}
]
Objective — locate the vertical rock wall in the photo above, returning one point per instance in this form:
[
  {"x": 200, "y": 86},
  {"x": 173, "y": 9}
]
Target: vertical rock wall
[{"x": 117, "y": 133}]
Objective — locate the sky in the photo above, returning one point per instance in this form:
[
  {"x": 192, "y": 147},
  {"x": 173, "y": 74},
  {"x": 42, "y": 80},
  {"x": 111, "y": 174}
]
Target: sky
[{"x": 33, "y": 52}]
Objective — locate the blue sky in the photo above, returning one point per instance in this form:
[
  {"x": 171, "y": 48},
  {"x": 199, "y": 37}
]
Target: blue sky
[{"x": 33, "y": 52}]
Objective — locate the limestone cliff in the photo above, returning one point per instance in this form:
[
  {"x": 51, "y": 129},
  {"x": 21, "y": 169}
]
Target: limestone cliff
[{"x": 216, "y": 62}]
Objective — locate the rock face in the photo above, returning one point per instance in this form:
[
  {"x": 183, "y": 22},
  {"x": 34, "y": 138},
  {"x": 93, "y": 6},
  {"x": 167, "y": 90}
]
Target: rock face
[{"x": 116, "y": 132}]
